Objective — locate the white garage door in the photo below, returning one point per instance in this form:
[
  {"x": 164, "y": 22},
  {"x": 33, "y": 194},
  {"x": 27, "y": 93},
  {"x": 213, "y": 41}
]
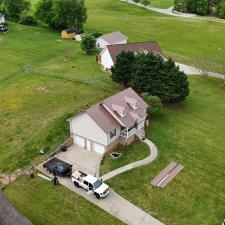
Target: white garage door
[
  {"x": 100, "y": 149},
  {"x": 79, "y": 141}
]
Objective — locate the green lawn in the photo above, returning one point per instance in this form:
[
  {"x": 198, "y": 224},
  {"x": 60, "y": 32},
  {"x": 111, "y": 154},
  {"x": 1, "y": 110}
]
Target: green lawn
[
  {"x": 164, "y": 4},
  {"x": 43, "y": 81},
  {"x": 192, "y": 134},
  {"x": 181, "y": 38},
  {"x": 43, "y": 203},
  {"x": 134, "y": 152}
]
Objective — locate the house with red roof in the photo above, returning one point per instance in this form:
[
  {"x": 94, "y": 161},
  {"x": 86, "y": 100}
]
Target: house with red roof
[
  {"x": 107, "y": 57},
  {"x": 118, "y": 120}
]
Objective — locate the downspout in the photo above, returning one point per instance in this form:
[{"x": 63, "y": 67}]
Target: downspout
[{"x": 127, "y": 136}]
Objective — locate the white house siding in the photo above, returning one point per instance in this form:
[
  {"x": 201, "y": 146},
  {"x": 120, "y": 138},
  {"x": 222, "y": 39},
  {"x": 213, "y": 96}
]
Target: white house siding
[
  {"x": 101, "y": 43},
  {"x": 110, "y": 140},
  {"x": 106, "y": 59},
  {"x": 84, "y": 126},
  {"x": 2, "y": 19}
]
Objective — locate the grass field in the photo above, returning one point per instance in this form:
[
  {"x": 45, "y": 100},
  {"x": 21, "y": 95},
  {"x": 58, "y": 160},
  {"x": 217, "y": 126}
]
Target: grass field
[
  {"x": 192, "y": 134},
  {"x": 164, "y": 4},
  {"x": 43, "y": 203},
  {"x": 43, "y": 81},
  {"x": 181, "y": 38},
  {"x": 132, "y": 153}
]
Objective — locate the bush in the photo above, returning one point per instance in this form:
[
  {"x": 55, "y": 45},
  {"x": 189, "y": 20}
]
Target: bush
[
  {"x": 27, "y": 18},
  {"x": 154, "y": 102},
  {"x": 221, "y": 9},
  {"x": 88, "y": 43}
]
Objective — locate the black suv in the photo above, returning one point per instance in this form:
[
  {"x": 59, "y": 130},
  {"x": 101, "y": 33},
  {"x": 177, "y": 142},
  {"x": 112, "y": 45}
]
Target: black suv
[{"x": 58, "y": 167}]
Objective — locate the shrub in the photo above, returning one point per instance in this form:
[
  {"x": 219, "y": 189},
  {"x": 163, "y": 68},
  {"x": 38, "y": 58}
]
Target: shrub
[
  {"x": 88, "y": 43},
  {"x": 221, "y": 9},
  {"x": 154, "y": 102},
  {"x": 27, "y": 18}
]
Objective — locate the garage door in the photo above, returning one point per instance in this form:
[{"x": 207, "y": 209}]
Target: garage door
[
  {"x": 100, "y": 149},
  {"x": 79, "y": 141}
]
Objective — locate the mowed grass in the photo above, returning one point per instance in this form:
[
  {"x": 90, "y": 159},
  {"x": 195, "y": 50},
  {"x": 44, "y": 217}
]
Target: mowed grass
[
  {"x": 43, "y": 80},
  {"x": 164, "y": 4},
  {"x": 43, "y": 203},
  {"x": 181, "y": 38},
  {"x": 132, "y": 153},
  {"x": 192, "y": 134}
]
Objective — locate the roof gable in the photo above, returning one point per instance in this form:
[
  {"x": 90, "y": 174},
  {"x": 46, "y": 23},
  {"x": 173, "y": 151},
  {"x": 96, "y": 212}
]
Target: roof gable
[
  {"x": 114, "y": 37},
  {"x": 149, "y": 46}
]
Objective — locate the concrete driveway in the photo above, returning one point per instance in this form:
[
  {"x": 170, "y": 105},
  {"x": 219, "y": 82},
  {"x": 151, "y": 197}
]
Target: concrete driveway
[
  {"x": 114, "y": 204},
  {"x": 81, "y": 159}
]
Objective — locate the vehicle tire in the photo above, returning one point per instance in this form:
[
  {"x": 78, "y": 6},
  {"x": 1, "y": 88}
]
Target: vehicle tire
[
  {"x": 97, "y": 196},
  {"x": 76, "y": 184}
]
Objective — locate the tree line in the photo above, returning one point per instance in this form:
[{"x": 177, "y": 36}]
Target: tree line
[
  {"x": 201, "y": 7},
  {"x": 58, "y": 14}
]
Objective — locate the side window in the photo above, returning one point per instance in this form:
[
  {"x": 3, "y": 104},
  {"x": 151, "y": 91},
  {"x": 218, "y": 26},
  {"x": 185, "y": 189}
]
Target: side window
[
  {"x": 86, "y": 183},
  {"x": 112, "y": 134},
  {"x": 90, "y": 187}
]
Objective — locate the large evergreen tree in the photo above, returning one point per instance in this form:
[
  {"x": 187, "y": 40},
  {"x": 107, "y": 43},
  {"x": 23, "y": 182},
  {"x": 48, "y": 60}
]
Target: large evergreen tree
[
  {"x": 151, "y": 74},
  {"x": 123, "y": 69}
]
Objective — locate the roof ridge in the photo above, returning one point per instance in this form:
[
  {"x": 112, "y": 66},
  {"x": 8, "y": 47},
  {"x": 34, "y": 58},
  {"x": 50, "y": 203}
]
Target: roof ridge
[{"x": 138, "y": 42}]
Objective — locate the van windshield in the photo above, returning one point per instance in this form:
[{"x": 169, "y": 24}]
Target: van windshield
[{"x": 97, "y": 184}]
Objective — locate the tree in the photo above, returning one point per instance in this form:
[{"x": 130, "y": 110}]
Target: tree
[
  {"x": 122, "y": 70},
  {"x": 88, "y": 43},
  {"x": 221, "y": 9},
  {"x": 160, "y": 78},
  {"x": 62, "y": 14},
  {"x": 13, "y": 8},
  {"x": 145, "y": 2},
  {"x": 27, "y": 18},
  {"x": 154, "y": 102}
]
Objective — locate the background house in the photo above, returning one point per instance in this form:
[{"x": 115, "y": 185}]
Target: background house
[
  {"x": 117, "y": 120},
  {"x": 68, "y": 34},
  {"x": 107, "y": 57},
  {"x": 2, "y": 18},
  {"x": 111, "y": 39}
]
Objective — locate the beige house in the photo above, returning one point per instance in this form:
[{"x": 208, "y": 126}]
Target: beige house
[{"x": 117, "y": 120}]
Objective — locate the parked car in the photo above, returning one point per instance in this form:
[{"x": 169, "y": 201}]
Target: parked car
[
  {"x": 90, "y": 183},
  {"x": 58, "y": 167}
]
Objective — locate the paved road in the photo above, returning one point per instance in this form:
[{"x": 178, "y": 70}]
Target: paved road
[
  {"x": 168, "y": 11},
  {"x": 147, "y": 160},
  {"x": 192, "y": 70}
]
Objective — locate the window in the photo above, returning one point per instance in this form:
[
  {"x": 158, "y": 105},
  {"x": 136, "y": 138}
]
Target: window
[
  {"x": 112, "y": 134},
  {"x": 86, "y": 183}
]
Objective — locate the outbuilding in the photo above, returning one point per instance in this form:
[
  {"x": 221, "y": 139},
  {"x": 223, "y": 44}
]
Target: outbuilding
[
  {"x": 111, "y": 39},
  {"x": 68, "y": 34}
]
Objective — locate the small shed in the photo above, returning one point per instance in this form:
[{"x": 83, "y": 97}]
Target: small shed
[{"x": 68, "y": 34}]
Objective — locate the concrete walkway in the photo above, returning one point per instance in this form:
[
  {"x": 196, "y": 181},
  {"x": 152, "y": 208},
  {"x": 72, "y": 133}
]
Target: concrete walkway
[
  {"x": 149, "y": 159},
  {"x": 114, "y": 204}
]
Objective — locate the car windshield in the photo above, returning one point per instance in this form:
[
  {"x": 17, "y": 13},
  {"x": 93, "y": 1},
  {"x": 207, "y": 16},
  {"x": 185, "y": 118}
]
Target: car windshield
[{"x": 97, "y": 184}]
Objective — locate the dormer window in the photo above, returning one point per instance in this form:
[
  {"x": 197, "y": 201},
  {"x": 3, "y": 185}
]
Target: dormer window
[
  {"x": 121, "y": 110},
  {"x": 134, "y": 103}
]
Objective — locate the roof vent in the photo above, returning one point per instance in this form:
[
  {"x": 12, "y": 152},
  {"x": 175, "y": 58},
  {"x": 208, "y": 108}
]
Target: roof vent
[
  {"x": 121, "y": 110},
  {"x": 132, "y": 102}
]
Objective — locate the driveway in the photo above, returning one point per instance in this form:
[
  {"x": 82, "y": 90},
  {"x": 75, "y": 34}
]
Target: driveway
[
  {"x": 81, "y": 159},
  {"x": 114, "y": 204}
]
